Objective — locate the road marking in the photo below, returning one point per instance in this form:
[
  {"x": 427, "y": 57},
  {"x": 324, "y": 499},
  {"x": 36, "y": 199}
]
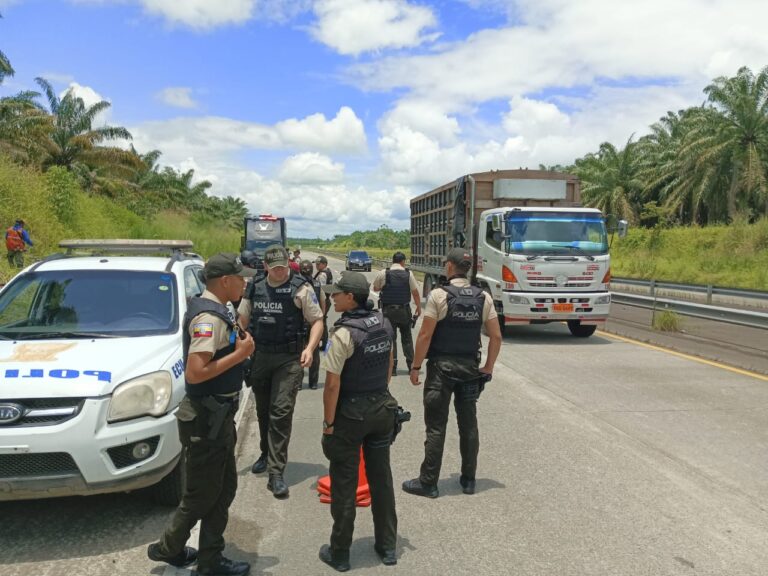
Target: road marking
[
  {"x": 194, "y": 535},
  {"x": 686, "y": 356}
]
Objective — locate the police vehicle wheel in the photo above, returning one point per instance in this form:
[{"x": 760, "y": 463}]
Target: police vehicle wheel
[
  {"x": 580, "y": 331},
  {"x": 169, "y": 490}
]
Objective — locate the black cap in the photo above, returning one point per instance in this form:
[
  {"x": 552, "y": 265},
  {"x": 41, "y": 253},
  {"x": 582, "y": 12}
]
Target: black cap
[
  {"x": 461, "y": 257},
  {"x": 306, "y": 267},
  {"x": 276, "y": 255},
  {"x": 226, "y": 264},
  {"x": 353, "y": 282},
  {"x": 398, "y": 257},
  {"x": 321, "y": 260}
]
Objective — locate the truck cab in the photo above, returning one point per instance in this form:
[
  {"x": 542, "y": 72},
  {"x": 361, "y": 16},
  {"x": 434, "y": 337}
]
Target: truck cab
[{"x": 262, "y": 231}]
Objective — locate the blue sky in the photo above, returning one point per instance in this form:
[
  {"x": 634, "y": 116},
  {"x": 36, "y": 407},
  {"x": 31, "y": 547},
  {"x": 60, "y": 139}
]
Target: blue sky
[{"x": 335, "y": 113}]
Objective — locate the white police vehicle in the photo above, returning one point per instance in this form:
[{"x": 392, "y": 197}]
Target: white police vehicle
[{"x": 91, "y": 370}]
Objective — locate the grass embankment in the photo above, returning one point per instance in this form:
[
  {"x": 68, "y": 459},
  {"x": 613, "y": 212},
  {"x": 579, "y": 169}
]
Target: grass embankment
[{"x": 54, "y": 208}]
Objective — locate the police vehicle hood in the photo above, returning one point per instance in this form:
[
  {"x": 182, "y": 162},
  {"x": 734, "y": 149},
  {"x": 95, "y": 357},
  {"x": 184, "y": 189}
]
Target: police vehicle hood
[{"x": 82, "y": 367}]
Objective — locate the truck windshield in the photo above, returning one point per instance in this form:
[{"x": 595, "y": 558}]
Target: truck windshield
[
  {"x": 89, "y": 304},
  {"x": 556, "y": 233}
]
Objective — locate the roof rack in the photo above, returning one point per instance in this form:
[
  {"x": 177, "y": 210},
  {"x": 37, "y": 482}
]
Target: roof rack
[{"x": 126, "y": 245}]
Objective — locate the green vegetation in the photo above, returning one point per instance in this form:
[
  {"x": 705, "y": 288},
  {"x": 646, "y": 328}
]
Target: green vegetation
[
  {"x": 55, "y": 207},
  {"x": 666, "y": 321},
  {"x": 704, "y": 165}
]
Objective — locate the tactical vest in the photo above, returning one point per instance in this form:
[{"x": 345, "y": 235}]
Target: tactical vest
[
  {"x": 458, "y": 334},
  {"x": 397, "y": 287},
  {"x": 227, "y": 382},
  {"x": 328, "y": 280},
  {"x": 368, "y": 367},
  {"x": 276, "y": 323}
]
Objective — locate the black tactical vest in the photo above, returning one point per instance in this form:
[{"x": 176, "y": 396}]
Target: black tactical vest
[
  {"x": 276, "y": 323},
  {"x": 328, "y": 280},
  {"x": 458, "y": 334},
  {"x": 368, "y": 367},
  {"x": 227, "y": 382},
  {"x": 397, "y": 287}
]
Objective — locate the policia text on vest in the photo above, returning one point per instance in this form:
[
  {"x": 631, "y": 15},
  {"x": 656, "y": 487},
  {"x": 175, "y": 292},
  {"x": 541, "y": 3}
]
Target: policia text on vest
[
  {"x": 450, "y": 339},
  {"x": 215, "y": 350},
  {"x": 359, "y": 412},
  {"x": 275, "y": 310}
]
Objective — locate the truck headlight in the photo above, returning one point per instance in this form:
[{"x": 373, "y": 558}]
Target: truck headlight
[
  {"x": 518, "y": 300},
  {"x": 147, "y": 395},
  {"x": 600, "y": 300}
]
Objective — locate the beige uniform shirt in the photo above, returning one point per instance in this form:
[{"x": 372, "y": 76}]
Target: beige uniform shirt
[
  {"x": 305, "y": 300},
  {"x": 339, "y": 349},
  {"x": 437, "y": 305},
  {"x": 209, "y": 333},
  {"x": 381, "y": 278}
]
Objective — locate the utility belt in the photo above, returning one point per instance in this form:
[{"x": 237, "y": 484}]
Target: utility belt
[
  {"x": 406, "y": 305},
  {"x": 470, "y": 390},
  {"x": 219, "y": 407},
  {"x": 294, "y": 347}
]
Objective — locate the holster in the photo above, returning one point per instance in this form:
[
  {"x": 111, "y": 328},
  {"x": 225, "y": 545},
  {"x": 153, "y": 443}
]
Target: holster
[
  {"x": 401, "y": 415},
  {"x": 470, "y": 390},
  {"x": 218, "y": 412}
]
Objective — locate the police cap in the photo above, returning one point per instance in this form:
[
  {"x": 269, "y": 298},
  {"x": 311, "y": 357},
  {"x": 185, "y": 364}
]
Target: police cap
[
  {"x": 226, "y": 264},
  {"x": 352, "y": 282}
]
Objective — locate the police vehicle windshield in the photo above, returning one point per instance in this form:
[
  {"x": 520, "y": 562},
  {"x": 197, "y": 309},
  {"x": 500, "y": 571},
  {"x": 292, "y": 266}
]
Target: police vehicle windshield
[
  {"x": 580, "y": 233},
  {"x": 89, "y": 304}
]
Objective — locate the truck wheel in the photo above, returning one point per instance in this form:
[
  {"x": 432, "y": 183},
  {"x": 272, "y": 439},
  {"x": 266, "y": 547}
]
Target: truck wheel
[
  {"x": 580, "y": 331},
  {"x": 169, "y": 490}
]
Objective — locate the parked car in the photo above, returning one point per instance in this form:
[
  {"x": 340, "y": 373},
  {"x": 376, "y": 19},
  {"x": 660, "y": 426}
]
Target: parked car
[
  {"x": 91, "y": 351},
  {"x": 358, "y": 260}
]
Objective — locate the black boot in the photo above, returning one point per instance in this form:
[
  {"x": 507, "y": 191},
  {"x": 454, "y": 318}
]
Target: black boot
[
  {"x": 224, "y": 567},
  {"x": 417, "y": 488},
  {"x": 339, "y": 561},
  {"x": 467, "y": 484},
  {"x": 260, "y": 466},
  {"x": 388, "y": 557},
  {"x": 186, "y": 557},
  {"x": 277, "y": 486}
]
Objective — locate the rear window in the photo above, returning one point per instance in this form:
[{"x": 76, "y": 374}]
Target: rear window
[{"x": 89, "y": 303}]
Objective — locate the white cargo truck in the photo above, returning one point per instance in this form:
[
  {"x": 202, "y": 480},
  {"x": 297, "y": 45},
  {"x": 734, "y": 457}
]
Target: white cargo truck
[{"x": 542, "y": 256}]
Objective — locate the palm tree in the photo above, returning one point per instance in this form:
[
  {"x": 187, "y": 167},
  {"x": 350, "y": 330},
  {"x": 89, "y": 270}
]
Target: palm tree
[
  {"x": 726, "y": 149},
  {"x": 72, "y": 139},
  {"x": 610, "y": 179},
  {"x": 5, "y": 65}
]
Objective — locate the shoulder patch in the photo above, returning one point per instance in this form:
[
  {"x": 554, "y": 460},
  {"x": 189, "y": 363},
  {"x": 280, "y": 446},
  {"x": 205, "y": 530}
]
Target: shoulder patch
[
  {"x": 372, "y": 321},
  {"x": 327, "y": 346},
  {"x": 313, "y": 297},
  {"x": 202, "y": 330}
]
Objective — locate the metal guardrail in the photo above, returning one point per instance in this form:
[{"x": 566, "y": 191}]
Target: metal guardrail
[
  {"x": 747, "y": 318},
  {"x": 709, "y": 290}
]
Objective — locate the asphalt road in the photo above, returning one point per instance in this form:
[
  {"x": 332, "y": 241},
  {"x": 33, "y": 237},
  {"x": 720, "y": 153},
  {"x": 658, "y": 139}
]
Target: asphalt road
[{"x": 598, "y": 457}]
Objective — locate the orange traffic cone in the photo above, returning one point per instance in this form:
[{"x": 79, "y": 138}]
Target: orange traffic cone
[{"x": 363, "y": 497}]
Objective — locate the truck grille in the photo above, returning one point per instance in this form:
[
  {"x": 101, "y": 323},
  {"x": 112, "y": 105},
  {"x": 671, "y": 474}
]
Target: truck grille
[
  {"x": 37, "y": 465},
  {"x": 45, "y": 411}
]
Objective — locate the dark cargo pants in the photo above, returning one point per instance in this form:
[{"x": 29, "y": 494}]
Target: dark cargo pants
[
  {"x": 443, "y": 375},
  {"x": 314, "y": 370},
  {"x": 400, "y": 318},
  {"x": 211, "y": 483},
  {"x": 275, "y": 379},
  {"x": 366, "y": 420}
]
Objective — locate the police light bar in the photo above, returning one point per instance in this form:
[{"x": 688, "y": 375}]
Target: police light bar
[
  {"x": 268, "y": 217},
  {"x": 127, "y": 245}
]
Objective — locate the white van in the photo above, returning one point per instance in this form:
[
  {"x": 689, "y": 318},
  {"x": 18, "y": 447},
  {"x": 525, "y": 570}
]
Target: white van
[{"x": 91, "y": 370}]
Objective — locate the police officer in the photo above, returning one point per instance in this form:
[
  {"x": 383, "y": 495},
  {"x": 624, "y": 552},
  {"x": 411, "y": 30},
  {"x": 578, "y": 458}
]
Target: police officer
[
  {"x": 275, "y": 310},
  {"x": 450, "y": 338},
  {"x": 358, "y": 411},
  {"x": 214, "y": 375},
  {"x": 305, "y": 267},
  {"x": 397, "y": 286}
]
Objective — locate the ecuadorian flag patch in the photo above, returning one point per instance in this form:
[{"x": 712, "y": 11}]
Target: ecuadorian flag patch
[{"x": 202, "y": 330}]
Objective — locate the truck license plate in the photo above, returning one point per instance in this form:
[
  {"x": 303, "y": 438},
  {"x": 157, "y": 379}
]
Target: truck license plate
[{"x": 562, "y": 307}]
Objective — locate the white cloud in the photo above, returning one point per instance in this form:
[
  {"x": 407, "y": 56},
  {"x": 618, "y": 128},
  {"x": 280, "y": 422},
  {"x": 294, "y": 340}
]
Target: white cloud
[
  {"x": 310, "y": 168},
  {"x": 214, "y": 137},
  {"x": 201, "y": 13},
  {"x": 90, "y": 97},
  {"x": 178, "y": 97},
  {"x": 352, "y": 27},
  {"x": 423, "y": 116}
]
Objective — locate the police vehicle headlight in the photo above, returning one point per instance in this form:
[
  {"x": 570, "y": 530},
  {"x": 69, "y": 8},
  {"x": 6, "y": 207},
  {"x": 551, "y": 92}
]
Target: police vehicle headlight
[
  {"x": 603, "y": 300},
  {"x": 147, "y": 395}
]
